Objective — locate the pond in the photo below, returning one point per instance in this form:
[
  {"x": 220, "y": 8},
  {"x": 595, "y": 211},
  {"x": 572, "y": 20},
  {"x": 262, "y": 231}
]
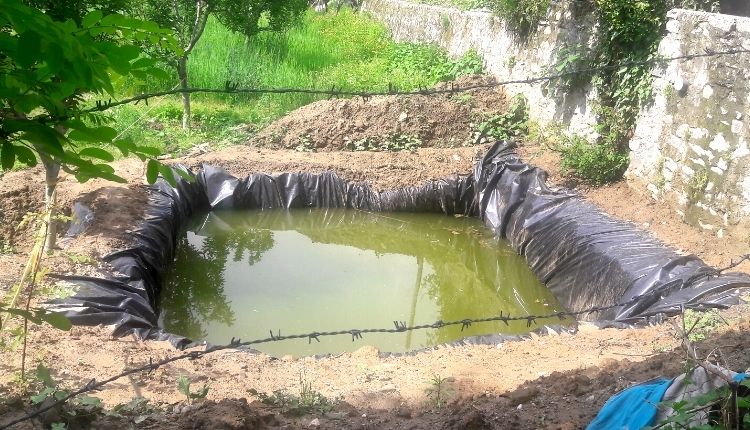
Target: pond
[{"x": 244, "y": 273}]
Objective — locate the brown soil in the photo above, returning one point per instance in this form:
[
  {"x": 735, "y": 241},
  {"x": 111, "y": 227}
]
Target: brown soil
[
  {"x": 548, "y": 382},
  {"x": 437, "y": 121}
]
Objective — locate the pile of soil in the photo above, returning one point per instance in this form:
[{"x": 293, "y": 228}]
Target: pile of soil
[
  {"x": 436, "y": 121},
  {"x": 548, "y": 382}
]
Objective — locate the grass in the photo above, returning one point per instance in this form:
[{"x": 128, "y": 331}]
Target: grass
[{"x": 346, "y": 50}]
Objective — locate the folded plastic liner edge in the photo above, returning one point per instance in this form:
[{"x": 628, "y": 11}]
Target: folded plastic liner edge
[{"x": 584, "y": 256}]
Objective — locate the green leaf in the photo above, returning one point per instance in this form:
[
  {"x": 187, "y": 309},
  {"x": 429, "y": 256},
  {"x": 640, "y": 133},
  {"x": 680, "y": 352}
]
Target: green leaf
[
  {"x": 93, "y": 134},
  {"x": 42, "y": 396},
  {"x": 92, "y": 18},
  {"x": 148, "y": 150},
  {"x": 183, "y": 385},
  {"x": 96, "y": 153},
  {"x": 89, "y": 401},
  {"x": 7, "y": 156},
  {"x": 168, "y": 174},
  {"x": 43, "y": 375},
  {"x": 28, "y": 49},
  {"x": 57, "y": 320},
  {"x": 152, "y": 171},
  {"x": 58, "y": 426}
]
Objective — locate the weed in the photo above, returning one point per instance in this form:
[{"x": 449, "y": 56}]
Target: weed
[
  {"x": 305, "y": 144},
  {"x": 696, "y": 186},
  {"x": 522, "y": 16},
  {"x": 78, "y": 258},
  {"x": 700, "y": 323},
  {"x": 78, "y": 411},
  {"x": 506, "y": 126},
  {"x": 511, "y": 62},
  {"x": 183, "y": 385},
  {"x": 460, "y": 4},
  {"x": 568, "y": 60},
  {"x": 596, "y": 164},
  {"x": 391, "y": 142},
  {"x": 308, "y": 401},
  {"x": 6, "y": 247},
  {"x": 438, "y": 391},
  {"x": 138, "y": 410}
]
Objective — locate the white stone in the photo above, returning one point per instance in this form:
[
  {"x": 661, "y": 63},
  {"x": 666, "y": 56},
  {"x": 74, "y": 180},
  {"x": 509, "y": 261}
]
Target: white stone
[
  {"x": 682, "y": 131},
  {"x": 705, "y": 226},
  {"x": 653, "y": 188},
  {"x": 719, "y": 144},
  {"x": 723, "y": 110},
  {"x": 698, "y": 161},
  {"x": 670, "y": 164},
  {"x": 698, "y": 133},
  {"x": 673, "y": 26},
  {"x": 707, "y": 92},
  {"x": 738, "y": 115},
  {"x": 741, "y": 150},
  {"x": 700, "y": 151},
  {"x": 709, "y": 186},
  {"x": 717, "y": 170},
  {"x": 678, "y": 84},
  {"x": 687, "y": 171},
  {"x": 737, "y": 126},
  {"x": 721, "y": 164},
  {"x": 720, "y": 233}
]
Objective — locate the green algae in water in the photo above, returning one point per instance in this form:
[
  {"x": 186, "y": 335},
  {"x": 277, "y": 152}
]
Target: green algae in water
[{"x": 243, "y": 273}]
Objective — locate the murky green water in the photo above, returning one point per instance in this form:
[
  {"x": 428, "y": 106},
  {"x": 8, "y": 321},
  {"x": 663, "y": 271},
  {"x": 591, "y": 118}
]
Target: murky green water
[{"x": 243, "y": 273}]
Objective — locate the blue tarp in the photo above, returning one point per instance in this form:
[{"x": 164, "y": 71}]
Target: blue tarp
[{"x": 631, "y": 409}]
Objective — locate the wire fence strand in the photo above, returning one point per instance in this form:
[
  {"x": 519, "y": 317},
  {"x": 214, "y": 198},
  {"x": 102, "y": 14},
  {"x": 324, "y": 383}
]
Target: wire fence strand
[{"x": 231, "y": 88}]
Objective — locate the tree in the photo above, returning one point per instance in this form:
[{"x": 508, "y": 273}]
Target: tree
[
  {"x": 188, "y": 19},
  {"x": 49, "y": 68}
]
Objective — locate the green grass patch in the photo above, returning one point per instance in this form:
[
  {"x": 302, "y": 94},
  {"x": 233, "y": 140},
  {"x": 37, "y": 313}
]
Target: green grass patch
[{"x": 347, "y": 50}]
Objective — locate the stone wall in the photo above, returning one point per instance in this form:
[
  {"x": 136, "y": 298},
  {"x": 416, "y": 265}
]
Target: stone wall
[
  {"x": 691, "y": 145},
  {"x": 506, "y": 57}
]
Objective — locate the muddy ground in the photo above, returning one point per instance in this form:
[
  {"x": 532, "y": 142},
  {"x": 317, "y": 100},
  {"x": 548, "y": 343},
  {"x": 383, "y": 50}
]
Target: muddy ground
[{"x": 547, "y": 382}]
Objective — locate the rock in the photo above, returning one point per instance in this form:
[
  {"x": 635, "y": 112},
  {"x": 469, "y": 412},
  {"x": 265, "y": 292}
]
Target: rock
[
  {"x": 403, "y": 413},
  {"x": 314, "y": 423},
  {"x": 523, "y": 395}
]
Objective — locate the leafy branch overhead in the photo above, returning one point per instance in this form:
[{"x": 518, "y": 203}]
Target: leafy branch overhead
[{"x": 50, "y": 68}]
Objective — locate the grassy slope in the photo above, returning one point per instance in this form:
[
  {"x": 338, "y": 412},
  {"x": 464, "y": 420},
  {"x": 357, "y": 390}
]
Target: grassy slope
[{"x": 345, "y": 50}]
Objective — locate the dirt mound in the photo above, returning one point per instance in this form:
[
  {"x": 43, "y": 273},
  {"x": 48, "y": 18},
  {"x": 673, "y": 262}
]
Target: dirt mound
[{"x": 394, "y": 121}]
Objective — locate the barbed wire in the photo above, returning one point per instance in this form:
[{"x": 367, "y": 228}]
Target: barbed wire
[
  {"x": 333, "y": 92},
  {"x": 399, "y": 327}
]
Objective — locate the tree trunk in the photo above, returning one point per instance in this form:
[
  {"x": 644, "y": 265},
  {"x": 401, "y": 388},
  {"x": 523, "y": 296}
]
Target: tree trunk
[
  {"x": 51, "y": 173},
  {"x": 182, "y": 74}
]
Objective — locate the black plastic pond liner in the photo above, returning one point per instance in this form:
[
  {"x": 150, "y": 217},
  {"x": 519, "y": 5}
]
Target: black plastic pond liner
[{"x": 585, "y": 257}]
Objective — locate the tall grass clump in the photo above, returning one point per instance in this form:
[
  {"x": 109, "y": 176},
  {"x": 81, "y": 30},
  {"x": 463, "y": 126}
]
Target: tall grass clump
[{"x": 347, "y": 50}]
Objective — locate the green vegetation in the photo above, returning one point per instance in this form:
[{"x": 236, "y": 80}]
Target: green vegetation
[
  {"x": 509, "y": 125},
  {"x": 596, "y": 164},
  {"x": 188, "y": 19},
  {"x": 390, "y": 142},
  {"x": 345, "y": 50},
  {"x": 308, "y": 400},
  {"x": 183, "y": 385},
  {"x": 438, "y": 391}
]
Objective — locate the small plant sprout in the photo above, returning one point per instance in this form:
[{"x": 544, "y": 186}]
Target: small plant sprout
[{"x": 183, "y": 385}]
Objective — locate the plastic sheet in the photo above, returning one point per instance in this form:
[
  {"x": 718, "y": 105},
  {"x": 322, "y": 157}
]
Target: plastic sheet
[{"x": 584, "y": 256}]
